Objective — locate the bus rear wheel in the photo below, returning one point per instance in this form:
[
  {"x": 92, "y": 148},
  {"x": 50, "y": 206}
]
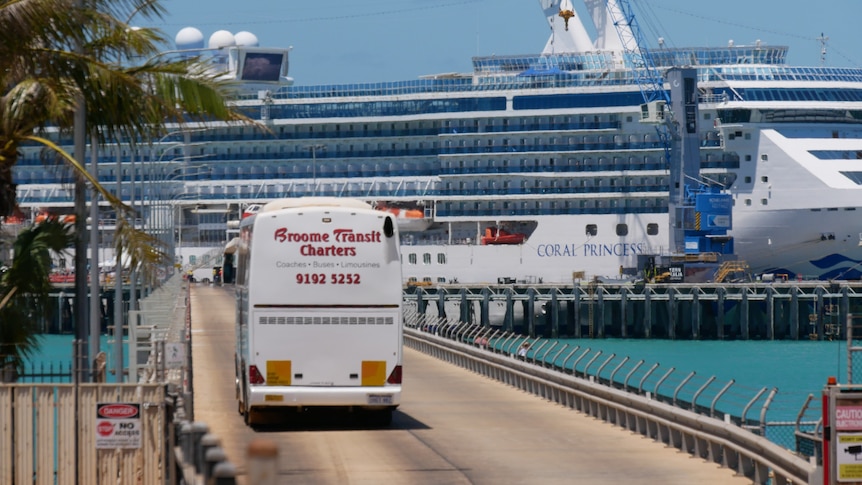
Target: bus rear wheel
[{"x": 249, "y": 416}]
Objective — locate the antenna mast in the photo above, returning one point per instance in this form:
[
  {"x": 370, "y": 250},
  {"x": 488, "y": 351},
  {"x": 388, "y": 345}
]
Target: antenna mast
[{"x": 822, "y": 39}]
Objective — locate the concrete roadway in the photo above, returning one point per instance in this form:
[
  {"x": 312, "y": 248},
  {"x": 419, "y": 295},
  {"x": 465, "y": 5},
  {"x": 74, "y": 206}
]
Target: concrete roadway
[{"x": 453, "y": 427}]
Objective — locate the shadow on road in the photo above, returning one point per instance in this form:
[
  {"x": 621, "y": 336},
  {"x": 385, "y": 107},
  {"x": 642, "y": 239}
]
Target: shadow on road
[{"x": 331, "y": 420}]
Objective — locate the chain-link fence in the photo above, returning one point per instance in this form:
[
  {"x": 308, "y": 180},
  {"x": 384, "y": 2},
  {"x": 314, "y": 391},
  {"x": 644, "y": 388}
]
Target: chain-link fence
[{"x": 854, "y": 349}]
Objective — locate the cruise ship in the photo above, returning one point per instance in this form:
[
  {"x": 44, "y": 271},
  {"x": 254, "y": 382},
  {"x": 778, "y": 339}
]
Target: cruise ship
[{"x": 532, "y": 168}]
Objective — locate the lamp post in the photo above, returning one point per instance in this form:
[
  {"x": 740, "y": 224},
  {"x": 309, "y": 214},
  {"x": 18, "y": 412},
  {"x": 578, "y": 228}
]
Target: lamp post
[
  {"x": 314, "y": 149},
  {"x": 169, "y": 188}
]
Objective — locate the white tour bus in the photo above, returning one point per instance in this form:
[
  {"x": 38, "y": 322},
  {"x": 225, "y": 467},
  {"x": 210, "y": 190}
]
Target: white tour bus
[{"x": 318, "y": 286}]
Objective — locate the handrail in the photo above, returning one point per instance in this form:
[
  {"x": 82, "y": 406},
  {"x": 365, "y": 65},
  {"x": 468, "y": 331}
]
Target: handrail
[
  {"x": 723, "y": 443},
  {"x": 718, "y": 396}
]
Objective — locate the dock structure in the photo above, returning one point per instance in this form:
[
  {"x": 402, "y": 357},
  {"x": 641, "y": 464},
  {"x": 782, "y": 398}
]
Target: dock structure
[{"x": 798, "y": 310}]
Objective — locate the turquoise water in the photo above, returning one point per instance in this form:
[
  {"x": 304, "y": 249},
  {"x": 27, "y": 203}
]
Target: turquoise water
[
  {"x": 57, "y": 349},
  {"x": 795, "y": 368}
]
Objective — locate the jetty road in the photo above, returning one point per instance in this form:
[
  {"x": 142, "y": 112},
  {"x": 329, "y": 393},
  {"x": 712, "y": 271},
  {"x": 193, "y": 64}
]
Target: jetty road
[{"x": 453, "y": 427}]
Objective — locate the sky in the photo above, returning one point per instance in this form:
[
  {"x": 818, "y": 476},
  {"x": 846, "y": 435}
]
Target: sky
[{"x": 337, "y": 42}]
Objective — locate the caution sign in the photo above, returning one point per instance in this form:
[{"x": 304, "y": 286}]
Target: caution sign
[
  {"x": 848, "y": 417},
  {"x": 118, "y": 425}
]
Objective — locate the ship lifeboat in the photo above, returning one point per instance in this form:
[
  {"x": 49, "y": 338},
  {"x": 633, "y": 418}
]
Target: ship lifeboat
[
  {"x": 49, "y": 216},
  {"x": 407, "y": 220},
  {"x": 17, "y": 217},
  {"x": 44, "y": 216},
  {"x": 495, "y": 235}
]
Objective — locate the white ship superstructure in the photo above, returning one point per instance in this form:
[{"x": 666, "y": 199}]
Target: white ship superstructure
[{"x": 532, "y": 168}]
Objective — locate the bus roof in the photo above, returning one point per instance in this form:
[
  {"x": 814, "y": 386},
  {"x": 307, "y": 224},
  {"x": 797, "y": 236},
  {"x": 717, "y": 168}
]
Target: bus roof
[{"x": 291, "y": 203}]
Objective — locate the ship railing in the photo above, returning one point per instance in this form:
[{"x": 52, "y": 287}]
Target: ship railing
[{"x": 713, "y": 98}]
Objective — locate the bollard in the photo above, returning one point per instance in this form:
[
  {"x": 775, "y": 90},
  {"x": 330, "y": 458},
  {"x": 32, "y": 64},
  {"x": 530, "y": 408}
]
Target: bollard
[
  {"x": 185, "y": 434},
  {"x": 262, "y": 462},
  {"x": 208, "y": 441},
  {"x": 224, "y": 473},
  {"x": 198, "y": 431},
  {"x": 213, "y": 457}
]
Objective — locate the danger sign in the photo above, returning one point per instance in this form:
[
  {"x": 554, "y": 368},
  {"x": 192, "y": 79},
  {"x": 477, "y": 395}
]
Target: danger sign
[{"x": 118, "y": 425}]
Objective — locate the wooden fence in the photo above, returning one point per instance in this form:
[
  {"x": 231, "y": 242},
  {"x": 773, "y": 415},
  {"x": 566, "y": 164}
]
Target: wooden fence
[{"x": 48, "y": 435}]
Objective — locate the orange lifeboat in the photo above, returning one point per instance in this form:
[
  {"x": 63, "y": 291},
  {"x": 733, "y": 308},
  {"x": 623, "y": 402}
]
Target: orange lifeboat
[
  {"x": 495, "y": 235},
  {"x": 408, "y": 219},
  {"x": 17, "y": 217},
  {"x": 48, "y": 216},
  {"x": 44, "y": 216}
]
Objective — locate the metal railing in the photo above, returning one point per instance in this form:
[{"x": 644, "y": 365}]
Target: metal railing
[
  {"x": 597, "y": 387},
  {"x": 160, "y": 338}
]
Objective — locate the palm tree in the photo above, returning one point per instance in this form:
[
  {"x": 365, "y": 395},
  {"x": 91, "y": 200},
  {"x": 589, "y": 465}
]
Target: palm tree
[
  {"x": 24, "y": 288},
  {"x": 46, "y": 79},
  {"x": 61, "y": 56}
]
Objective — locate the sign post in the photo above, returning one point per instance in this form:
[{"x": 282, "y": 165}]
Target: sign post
[{"x": 842, "y": 434}]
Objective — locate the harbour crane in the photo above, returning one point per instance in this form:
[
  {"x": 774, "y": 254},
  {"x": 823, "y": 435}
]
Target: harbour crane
[{"x": 700, "y": 215}]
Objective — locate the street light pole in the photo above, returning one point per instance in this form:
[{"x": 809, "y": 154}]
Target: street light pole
[{"x": 95, "y": 290}]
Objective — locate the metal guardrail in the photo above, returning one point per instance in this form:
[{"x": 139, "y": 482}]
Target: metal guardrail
[{"x": 709, "y": 438}]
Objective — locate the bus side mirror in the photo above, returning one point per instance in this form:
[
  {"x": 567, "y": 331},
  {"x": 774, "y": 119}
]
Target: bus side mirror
[{"x": 388, "y": 227}]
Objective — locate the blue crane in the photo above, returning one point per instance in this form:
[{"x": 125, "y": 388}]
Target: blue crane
[{"x": 700, "y": 216}]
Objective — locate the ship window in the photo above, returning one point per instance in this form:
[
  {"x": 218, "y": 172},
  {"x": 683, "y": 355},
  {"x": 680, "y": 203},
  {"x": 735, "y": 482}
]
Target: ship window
[
  {"x": 629, "y": 119},
  {"x": 426, "y": 258},
  {"x": 748, "y": 180},
  {"x": 747, "y": 201},
  {"x": 441, "y": 258},
  {"x": 763, "y": 202},
  {"x": 652, "y": 229},
  {"x": 748, "y": 158},
  {"x": 764, "y": 157},
  {"x": 764, "y": 179},
  {"x": 592, "y": 230},
  {"x": 622, "y": 230},
  {"x": 411, "y": 258},
  {"x": 748, "y": 136}
]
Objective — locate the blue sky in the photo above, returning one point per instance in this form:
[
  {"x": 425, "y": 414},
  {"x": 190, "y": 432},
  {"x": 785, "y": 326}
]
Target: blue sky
[{"x": 338, "y": 42}]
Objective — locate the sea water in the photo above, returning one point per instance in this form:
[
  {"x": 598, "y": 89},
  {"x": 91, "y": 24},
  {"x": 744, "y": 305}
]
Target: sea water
[
  {"x": 795, "y": 368},
  {"x": 57, "y": 350}
]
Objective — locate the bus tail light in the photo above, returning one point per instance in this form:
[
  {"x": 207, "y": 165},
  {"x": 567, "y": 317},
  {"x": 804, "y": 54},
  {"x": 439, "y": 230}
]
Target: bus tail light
[
  {"x": 395, "y": 376},
  {"x": 254, "y": 375}
]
